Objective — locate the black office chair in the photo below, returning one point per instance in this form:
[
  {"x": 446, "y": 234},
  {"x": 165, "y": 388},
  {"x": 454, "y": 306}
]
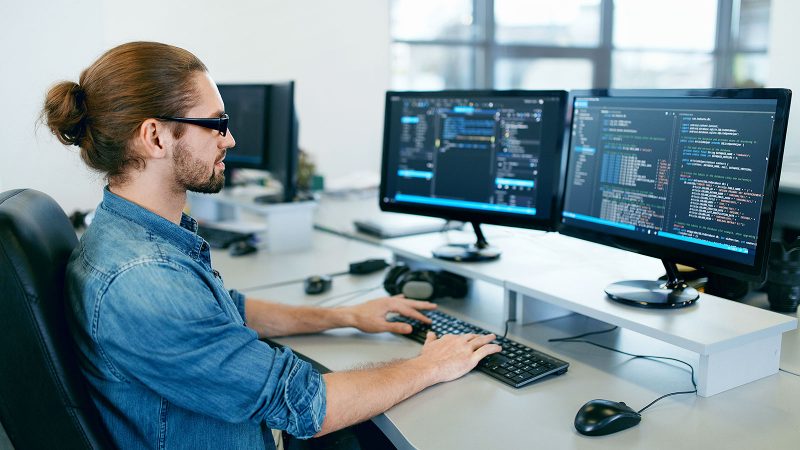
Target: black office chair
[{"x": 44, "y": 402}]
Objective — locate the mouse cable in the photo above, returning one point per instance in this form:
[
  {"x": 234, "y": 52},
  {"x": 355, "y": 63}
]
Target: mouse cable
[
  {"x": 505, "y": 332},
  {"x": 283, "y": 283},
  {"x": 577, "y": 339},
  {"x": 364, "y": 267},
  {"x": 346, "y": 296}
]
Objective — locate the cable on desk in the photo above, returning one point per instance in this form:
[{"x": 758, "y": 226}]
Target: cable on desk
[
  {"x": 591, "y": 333},
  {"x": 347, "y": 296},
  {"x": 364, "y": 267},
  {"x": 285, "y": 283}
]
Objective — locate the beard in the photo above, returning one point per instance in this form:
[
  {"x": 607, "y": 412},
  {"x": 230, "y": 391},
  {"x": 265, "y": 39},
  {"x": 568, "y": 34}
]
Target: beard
[{"x": 192, "y": 174}]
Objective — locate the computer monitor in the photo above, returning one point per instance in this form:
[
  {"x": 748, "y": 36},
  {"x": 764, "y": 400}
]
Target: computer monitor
[
  {"x": 474, "y": 156},
  {"x": 264, "y": 123},
  {"x": 687, "y": 176}
]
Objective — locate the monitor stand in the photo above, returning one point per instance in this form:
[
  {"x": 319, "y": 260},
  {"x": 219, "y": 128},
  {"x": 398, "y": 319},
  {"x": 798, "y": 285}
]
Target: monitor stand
[
  {"x": 672, "y": 293},
  {"x": 479, "y": 251}
]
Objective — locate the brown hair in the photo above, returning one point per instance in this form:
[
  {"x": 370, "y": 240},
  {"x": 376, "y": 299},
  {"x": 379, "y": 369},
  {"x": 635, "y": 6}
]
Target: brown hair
[{"x": 125, "y": 86}]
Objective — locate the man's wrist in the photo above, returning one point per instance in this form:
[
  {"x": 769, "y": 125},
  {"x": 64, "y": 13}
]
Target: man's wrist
[
  {"x": 342, "y": 317},
  {"x": 428, "y": 372}
]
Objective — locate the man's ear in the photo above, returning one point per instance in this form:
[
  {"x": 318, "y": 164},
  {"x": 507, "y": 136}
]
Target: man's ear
[{"x": 154, "y": 138}]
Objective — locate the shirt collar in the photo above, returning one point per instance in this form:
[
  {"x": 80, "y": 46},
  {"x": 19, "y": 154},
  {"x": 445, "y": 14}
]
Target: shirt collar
[{"x": 183, "y": 237}]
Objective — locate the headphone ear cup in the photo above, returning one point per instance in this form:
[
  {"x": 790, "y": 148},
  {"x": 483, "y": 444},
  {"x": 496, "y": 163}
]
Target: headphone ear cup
[
  {"x": 392, "y": 283},
  {"x": 419, "y": 285},
  {"x": 424, "y": 284}
]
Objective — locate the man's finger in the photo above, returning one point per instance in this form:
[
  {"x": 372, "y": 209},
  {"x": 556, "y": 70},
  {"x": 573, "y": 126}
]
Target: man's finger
[
  {"x": 399, "y": 327},
  {"x": 430, "y": 337},
  {"x": 413, "y": 313},
  {"x": 420, "y": 304},
  {"x": 469, "y": 336},
  {"x": 482, "y": 340},
  {"x": 485, "y": 351}
]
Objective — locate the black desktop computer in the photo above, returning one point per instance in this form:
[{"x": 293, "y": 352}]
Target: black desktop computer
[
  {"x": 264, "y": 123},
  {"x": 474, "y": 156},
  {"x": 687, "y": 176}
]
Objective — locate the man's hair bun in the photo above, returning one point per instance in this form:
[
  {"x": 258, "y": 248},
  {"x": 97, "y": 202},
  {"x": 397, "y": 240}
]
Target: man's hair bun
[{"x": 65, "y": 112}]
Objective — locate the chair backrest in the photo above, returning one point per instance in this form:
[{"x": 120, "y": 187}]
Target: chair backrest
[{"x": 44, "y": 402}]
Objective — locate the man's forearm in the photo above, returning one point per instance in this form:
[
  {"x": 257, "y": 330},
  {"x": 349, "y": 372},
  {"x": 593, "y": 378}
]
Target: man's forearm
[
  {"x": 275, "y": 319},
  {"x": 355, "y": 396}
]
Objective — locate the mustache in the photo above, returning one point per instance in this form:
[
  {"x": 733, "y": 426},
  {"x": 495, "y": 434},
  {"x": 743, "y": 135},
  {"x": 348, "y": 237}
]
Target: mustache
[{"x": 222, "y": 156}]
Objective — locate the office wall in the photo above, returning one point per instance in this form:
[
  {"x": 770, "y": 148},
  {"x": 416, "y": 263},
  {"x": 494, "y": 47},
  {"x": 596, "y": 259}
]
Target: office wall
[
  {"x": 41, "y": 42},
  {"x": 338, "y": 53},
  {"x": 784, "y": 69}
]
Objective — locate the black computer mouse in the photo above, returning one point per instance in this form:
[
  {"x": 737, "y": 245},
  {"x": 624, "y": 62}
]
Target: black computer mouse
[
  {"x": 600, "y": 417},
  {"x": 241, "y": 248},
  {"x": 317, "y": 284}
]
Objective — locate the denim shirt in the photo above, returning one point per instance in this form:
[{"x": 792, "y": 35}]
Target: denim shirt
[{"x": 164, "y": 346}]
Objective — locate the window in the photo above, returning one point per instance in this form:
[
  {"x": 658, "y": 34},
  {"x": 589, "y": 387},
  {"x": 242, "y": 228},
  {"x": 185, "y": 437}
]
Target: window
[
  {"x": 650, "y": 49},
  {"x": 750, "y": 33},
  {"x": 578, "y": 44},
  {"x": 565, "y": 23},
  {"x": 543, "y": 73}
]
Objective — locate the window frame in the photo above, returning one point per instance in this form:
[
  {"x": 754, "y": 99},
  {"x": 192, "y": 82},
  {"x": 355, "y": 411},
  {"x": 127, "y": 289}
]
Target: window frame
[{"x": 486, "y": 51}]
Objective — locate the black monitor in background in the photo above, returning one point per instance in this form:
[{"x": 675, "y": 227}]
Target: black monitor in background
[
  {"x": 264, "y": 123},
  {"x": 474, "y": 156},
  {"x": 689, "y": 177}
]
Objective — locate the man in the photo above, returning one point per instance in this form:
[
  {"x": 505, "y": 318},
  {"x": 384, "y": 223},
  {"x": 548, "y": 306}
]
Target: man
[{"x": 173, "y": 359}]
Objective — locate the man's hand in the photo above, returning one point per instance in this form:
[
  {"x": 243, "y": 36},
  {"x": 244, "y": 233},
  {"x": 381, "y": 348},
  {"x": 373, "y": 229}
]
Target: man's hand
[
  {"x": 355, "y": 396},
  {"x": 370, "y": 317},
  {"x": 453, "y": 355}
]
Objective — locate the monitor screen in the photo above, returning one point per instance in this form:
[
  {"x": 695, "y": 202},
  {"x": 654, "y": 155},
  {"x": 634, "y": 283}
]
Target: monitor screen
[
  {"x": 479, "y": 156},
  {"x": 686, "y": 176}
]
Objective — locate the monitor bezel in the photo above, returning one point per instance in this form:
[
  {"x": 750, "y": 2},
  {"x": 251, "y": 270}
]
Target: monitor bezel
[
  {"x": 753, "y": 272},
  {"x": 466, "y": 215},
  {"x": 283, "y": 129}
]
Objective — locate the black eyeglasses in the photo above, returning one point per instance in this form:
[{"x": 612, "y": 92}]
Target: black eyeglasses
[{"x": 220, "y": 124}]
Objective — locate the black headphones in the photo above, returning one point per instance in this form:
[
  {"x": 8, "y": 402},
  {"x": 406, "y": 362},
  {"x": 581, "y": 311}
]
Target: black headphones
[{"x": 424, "y": 284}]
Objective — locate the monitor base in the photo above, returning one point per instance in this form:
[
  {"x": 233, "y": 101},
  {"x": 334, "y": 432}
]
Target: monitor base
[
  {"x": 479, "y": 251},
  {"x": 466, "y": 253},
  {"x": 652, "y": 294}
]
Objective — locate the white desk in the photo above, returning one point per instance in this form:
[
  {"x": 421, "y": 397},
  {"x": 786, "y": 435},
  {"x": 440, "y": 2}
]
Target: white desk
[{"x": 479, "y": 412}]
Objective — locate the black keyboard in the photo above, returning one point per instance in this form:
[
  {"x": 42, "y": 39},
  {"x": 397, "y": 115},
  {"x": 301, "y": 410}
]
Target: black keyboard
[
  {"x": 219, "y": 238},
  {"x": 517, "y": 365}
]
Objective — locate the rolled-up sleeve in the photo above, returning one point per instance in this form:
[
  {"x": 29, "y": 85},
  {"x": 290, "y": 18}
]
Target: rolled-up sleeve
[{"x": 160, "y": 326}]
